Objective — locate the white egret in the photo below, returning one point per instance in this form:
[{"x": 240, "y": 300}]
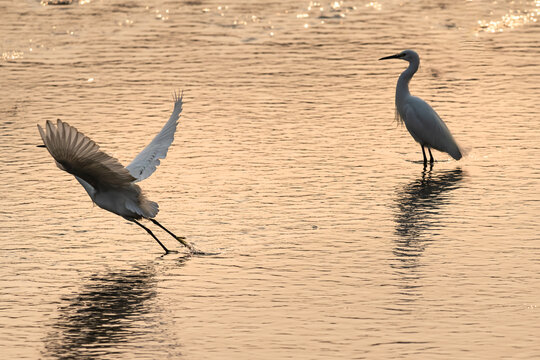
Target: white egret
[
  {"x": 423, "y": 123},
  {"x": 111, "y": 185}
]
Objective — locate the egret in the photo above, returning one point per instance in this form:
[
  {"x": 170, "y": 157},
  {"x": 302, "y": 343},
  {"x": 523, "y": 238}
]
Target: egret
[
  {"x": 109, "y": 184},
  {"x": 423, "y": 123}
]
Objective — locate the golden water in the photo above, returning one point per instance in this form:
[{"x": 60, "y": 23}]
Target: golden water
[{"x": 331, "y": 241}]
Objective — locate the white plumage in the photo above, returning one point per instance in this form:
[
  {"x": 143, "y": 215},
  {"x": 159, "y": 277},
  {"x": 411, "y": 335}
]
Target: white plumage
[
  {"x": 108, "y": 183},
  {"x": 422, "y": 122},
  {"x": 147, "y": 161}
]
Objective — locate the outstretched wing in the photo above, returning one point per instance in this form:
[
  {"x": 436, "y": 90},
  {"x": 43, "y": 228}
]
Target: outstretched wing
[
  {"x": 147, "y": 161},
  {"x": 80, "y": 156}
]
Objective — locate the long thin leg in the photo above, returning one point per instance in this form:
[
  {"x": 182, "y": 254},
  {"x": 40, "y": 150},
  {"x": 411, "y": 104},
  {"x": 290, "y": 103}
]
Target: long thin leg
[
  {"x": 424, "y": 153},
  {"x": 179, "y": 238},
  {"x": 152, "y": 234},
  {"x": 431, "y": 160}
]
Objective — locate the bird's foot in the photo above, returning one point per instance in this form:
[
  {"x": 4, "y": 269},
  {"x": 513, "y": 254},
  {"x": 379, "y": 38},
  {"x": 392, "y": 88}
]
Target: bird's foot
[
  {"x": 192, "y": 249},
  {"x": 182, "y": 240}
]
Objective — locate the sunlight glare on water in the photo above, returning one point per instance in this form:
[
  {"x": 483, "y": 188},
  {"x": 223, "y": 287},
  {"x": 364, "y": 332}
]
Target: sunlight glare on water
[{"x": 329, "y": 239}]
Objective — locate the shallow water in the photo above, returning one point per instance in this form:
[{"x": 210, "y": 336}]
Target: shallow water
[{"x": 331, "y": 240}]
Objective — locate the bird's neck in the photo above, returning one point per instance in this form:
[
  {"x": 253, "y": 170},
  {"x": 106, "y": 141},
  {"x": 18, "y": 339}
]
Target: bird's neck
[{"x": 402, "y": 88}]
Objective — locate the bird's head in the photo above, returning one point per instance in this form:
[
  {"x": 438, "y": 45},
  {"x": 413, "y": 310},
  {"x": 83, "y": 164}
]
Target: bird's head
[{"x": 407, "y": 55}]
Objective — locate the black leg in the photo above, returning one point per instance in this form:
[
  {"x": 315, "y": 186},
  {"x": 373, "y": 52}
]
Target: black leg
[
  {"x": 152, "y": 234},
  {"x": 424, "y": 153},
  {"x": 179, "y": 238},
  {"x": 431, "y": 160}
]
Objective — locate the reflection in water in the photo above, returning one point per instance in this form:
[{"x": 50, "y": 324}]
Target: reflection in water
[
  {"x": 106, "y": 313},
  {"x": 418, "y": 202},
  {"x": 279, "y": 164}
]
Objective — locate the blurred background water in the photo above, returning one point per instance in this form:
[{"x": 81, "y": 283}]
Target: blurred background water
[{"x": 331, "y": 239}]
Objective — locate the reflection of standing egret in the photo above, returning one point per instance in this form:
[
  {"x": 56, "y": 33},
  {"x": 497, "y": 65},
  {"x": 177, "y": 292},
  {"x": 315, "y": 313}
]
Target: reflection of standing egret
[
  {"x": 423, "y": 123},
  {"x": 418, "y": 202}
]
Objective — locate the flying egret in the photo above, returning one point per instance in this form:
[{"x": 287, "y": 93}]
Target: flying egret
[
  {"x": 111, "y": 185},
  {"x": 423, "y": 123}
]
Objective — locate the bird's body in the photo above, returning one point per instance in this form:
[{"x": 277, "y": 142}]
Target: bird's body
[
  {"x": 109, "y": 184},
  {"x": 422, "y": 122},
  {"x": 128, "y": 202}
]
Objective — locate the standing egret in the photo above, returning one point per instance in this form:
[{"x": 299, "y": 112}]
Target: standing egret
[
  {"x": 423, "y": 123},
  {"x": 111, "y": 185}
]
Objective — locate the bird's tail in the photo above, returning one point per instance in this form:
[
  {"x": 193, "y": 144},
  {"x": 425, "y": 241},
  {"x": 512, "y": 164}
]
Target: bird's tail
[
  {"x": 455, "y": 151},
  {"x": 137, "y": 203},
  {"x": 148, "y": 207}
]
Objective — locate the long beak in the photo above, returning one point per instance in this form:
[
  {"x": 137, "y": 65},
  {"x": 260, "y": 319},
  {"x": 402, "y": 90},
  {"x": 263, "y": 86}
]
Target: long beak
[
  {"x": 41, "y": 146},
  {"x": 396, "y": 56}
]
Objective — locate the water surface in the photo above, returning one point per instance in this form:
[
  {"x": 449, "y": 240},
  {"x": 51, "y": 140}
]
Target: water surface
[{"x": 331, "y": 240}]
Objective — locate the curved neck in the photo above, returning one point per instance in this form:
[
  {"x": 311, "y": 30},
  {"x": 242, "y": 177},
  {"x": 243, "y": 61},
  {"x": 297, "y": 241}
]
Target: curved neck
[{"x": 402, "y": 88}]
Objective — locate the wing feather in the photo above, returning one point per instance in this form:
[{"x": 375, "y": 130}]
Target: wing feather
[
  {"x": 429, "y": 129},
  {"x": 147, "y": 161},
  {"x": 80, "y": 156}
]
